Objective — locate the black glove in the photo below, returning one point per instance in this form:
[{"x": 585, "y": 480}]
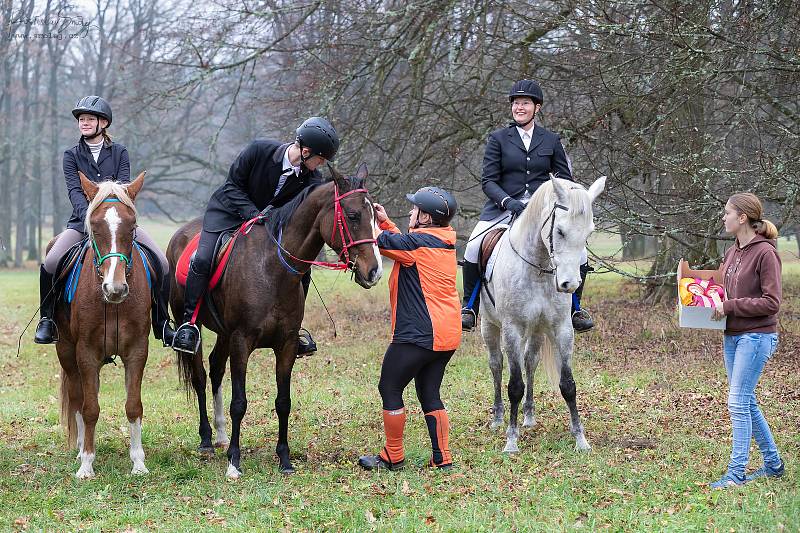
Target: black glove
[{"x": 515, "y": 206}]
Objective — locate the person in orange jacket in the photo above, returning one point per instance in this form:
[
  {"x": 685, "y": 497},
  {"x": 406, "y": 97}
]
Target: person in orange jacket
[{"x": 426, "y": 322}]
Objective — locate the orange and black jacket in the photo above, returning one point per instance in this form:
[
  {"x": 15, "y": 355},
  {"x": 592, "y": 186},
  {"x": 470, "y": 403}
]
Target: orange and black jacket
[{"x": 426, "y": 309}]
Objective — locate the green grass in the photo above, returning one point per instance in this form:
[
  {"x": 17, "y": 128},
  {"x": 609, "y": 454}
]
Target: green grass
[{"x": 652, "y": 399}]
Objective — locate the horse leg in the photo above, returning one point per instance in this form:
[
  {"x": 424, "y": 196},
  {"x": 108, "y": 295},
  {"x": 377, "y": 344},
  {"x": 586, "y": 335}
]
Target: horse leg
[
  {"x": 239, "y": 354},
  {"x": 71, "y": 396},
  {"x": 284, "y": 361},
  {"x": 564, "y": 344},
  {"x": 90, "y": 410},
  {"x": 218, "y": 359},
  {"x": 199, "y": 379},
  {"x": 531, "y": 362},
  {"x": 134, "y": 370},
  {"x": 491, "y": 337},
  {"x": 516, "y": 387}
]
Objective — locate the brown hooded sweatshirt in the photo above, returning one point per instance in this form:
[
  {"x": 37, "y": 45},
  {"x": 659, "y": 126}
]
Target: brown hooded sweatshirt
[{"x": 753, "y": 285}]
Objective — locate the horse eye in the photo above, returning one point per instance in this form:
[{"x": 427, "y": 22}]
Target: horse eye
[
  {"x": 355, "y": 217},
  {"x": 560, "y": 233}
]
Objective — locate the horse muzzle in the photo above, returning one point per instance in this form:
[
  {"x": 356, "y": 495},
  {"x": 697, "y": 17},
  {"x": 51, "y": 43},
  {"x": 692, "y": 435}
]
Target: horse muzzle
[
  {"x": 115, "y": 293},
  {"x": 568, "y": 286},
  {"x": 371, "y": 279}
]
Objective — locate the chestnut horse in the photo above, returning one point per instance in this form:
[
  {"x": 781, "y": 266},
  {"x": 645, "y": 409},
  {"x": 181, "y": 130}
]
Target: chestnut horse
[
  {"x": 110, "y": 314},
  {"x": 260, "y": 299}
]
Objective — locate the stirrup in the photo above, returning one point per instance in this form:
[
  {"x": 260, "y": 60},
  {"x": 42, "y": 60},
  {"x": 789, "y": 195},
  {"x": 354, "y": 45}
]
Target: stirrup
[
  {"x": 469, "y": 313},
  {"x": 168, "y": 325},
  {"x": 184, "y": 326}
]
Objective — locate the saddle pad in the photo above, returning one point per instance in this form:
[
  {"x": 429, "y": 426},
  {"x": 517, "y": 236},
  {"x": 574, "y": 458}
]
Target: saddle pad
[
  {"x": 490, "y": 246},
  {"x": 224, "y": 245}
]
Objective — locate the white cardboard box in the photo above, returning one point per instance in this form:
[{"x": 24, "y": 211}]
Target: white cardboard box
[{"x": 698, "y": 317}]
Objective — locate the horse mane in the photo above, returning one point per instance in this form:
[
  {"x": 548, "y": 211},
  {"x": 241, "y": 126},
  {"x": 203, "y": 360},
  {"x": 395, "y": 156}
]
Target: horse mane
[
  {"x": 580, "y": 203},
  {"x": 280, "y": 216},
  {"x": 106, "y": 190}
]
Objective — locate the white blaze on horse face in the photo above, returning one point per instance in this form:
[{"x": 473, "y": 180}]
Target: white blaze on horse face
[
  {"x": 137, "y": 452},
  {"x": 113, "y": 221},
  {"x": 375, "y": 233}
]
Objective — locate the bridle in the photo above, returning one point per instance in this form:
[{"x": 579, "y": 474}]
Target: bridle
[
  {"x": 99, "y": 258},
  {"x": 552, "y": 220},
  {"x": 345, "y": 262}
]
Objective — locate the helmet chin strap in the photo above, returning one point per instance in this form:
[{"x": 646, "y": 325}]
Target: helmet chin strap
[
  {"x": 97, "y": 131},
  {"x": 525, "y": 123}
]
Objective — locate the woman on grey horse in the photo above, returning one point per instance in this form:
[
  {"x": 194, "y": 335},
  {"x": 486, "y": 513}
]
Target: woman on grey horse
[
  {"x": 99, "y": 159},
  {"x": 517, "y": 160}
]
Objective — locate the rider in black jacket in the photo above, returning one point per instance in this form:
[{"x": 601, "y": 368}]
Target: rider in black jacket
[
  {"x": 265, "y": 173},
  {"x": 517, "y": 160}
]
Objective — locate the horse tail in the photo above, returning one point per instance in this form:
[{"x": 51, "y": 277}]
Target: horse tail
[
  {"x": 67, "y": 418},
  {"x": 551, "y": 366},
  {"x": 185, "y": 362}
]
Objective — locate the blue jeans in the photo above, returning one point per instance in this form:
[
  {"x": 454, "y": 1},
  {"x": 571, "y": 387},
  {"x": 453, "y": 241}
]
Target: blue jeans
[{"x": 745, "y": 357}]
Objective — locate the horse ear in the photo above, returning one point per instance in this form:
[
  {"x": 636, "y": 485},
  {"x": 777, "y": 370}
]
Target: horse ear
[
  {"x": 597, "y": 188},
  {"x": 362, "y": 173},
  {"x": 340, "y": 179},
  {"x": 89, "y": 187},
  {"x": 136, "y": 186},
  {"x": 562, "y": 197}
]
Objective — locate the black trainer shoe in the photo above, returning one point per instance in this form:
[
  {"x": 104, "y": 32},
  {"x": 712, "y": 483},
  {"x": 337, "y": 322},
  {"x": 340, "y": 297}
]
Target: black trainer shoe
[
  {"x": 187, "y": 339},
  {"x": 582, "y": 321},
  {"x": 376, "y": 462}
]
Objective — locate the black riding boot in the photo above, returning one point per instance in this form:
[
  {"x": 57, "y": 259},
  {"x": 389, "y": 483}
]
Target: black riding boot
[
  {"x": 187, "y": 337},
  {"x": 581, "y": 319},
  {"x": 46, "y": 330},
  {"x": 305, "y": 342},
  {"x": 472, "y": 293},
  {"x": 162, "y": 326}
]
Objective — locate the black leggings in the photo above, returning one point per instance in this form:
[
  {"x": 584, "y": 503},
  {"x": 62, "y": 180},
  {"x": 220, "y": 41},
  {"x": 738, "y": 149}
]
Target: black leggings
[{"x": 404, "y": 362}]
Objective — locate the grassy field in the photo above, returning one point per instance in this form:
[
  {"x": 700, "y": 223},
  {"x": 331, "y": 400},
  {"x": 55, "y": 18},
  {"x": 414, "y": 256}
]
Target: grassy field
[{"x": 652, "y": 399}]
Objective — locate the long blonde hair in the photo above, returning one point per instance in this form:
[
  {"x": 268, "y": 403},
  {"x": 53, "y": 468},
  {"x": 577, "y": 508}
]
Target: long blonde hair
[{"x": 748, "y": 204}]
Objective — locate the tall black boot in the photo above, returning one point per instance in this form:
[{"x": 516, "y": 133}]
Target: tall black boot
[
  {"x": 162, "y": 327},
  {"x": 187, "y": 337},
  {"x": 305, "y": 342},
  {"x": 472, "y": 296},
  {"x": 46, "y": 330},
  {"x": 581, "y": 319}
]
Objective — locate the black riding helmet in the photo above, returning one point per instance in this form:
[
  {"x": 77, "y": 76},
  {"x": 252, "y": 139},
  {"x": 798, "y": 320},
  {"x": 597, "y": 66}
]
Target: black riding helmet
[
  {"x": 93, "y": 105},
  {"x": 319, "y": 136},
  {"x": 438, "y": 203},
  {"x": 527, "y": 88}
]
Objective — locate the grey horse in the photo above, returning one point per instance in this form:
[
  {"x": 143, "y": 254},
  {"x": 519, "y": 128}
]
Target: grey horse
[{"x": 527, "y": 300}]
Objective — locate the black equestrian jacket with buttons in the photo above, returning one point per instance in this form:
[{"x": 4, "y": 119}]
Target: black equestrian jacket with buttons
[
  {"x": 112, "y": 164},
  {"x": 510, "y": 170}
]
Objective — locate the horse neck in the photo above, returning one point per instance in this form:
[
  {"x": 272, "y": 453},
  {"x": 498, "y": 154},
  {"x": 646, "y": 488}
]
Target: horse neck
[{"x": 302, "y": 236}]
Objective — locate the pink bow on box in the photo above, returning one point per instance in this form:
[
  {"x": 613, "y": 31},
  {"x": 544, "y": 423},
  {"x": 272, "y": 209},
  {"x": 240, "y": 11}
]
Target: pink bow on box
[{"x": 706, "y": 293}]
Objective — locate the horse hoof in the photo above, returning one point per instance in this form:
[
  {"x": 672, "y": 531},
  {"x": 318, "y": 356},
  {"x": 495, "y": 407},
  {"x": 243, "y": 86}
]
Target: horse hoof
[
  {"x": 287, "y": 470},
  {"x": 221, "y": 444},
  {"x": 84, "y": 473},
  {"x": 529, "y": 422},
  {"x": 139, "y": 470},
  {"x": 496, "y": 424},
  {"x": 206, "y": 450},
  {"x": 511, "y": 447},
  {"x": 233, "y": 472},
  {"x": 582, "y": 446}
]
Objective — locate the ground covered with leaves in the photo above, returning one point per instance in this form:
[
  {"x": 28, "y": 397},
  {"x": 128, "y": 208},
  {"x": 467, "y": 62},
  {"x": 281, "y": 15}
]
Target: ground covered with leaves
[{"x": 652, "y": 398}]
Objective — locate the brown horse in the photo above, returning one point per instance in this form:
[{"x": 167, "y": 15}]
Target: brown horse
[
  {"x": 110, "y": 314},
  {"x": 260, "y": 300}
]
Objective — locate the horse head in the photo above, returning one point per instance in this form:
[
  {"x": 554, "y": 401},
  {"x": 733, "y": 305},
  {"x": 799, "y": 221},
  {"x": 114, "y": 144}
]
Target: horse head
[
  {"x": 352, "y": 227},
  {"x": 566, "y": 220},
  {"x": 111, "y": 224}
]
